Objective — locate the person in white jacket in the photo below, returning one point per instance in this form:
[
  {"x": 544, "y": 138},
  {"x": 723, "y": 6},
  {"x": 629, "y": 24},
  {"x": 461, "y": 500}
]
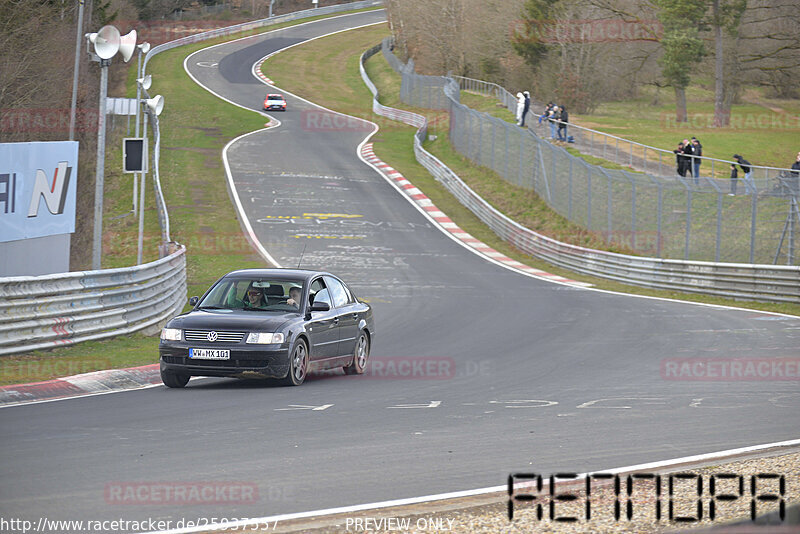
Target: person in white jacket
[{"x": 520, "y": 107}]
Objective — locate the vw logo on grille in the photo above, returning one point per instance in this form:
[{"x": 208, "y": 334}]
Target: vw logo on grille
[{"x": 212, "y": 336}]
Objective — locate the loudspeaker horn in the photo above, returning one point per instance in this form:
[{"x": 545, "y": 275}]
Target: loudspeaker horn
[
  {"x": 106, "y": 42},
  {"x": 145, "y": 82},
  {"x": 144, "y": 47},
  {"x": 127, "y": 44},
  {"x": 155, "y": 104}
]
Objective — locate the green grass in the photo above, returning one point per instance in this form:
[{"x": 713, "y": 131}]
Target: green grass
[
  {"x": 201, "y": 212},
  {"x": 764, "y": 131},
  {"x": 343, "y": 91}
]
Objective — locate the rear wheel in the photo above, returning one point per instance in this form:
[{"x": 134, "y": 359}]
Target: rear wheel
[
  {"x": 298, "y": 364},
  {"x": 172, "y": 380},
  {"x": 360, "y": 355}
]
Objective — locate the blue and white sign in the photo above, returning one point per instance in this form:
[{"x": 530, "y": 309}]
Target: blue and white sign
[{"x": 38, "y": 182}]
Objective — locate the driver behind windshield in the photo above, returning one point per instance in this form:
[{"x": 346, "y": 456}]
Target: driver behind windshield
[{"x": 294, "y": 297}]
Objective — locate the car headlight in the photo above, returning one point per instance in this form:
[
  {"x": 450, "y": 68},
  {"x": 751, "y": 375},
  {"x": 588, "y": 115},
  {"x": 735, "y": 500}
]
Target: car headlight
[
  {"x": 264, "y": 338},
  {"x": 171, "y": 334}
]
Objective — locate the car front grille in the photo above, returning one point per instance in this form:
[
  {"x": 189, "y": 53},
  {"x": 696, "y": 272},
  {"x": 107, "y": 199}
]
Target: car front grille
[{"x": 222, "y": 337}]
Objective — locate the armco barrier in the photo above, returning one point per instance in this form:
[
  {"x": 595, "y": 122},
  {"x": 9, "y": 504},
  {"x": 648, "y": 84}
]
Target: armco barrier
[
  {"x": 771, "y": 283},
  {"x": 42, "y": 312}
]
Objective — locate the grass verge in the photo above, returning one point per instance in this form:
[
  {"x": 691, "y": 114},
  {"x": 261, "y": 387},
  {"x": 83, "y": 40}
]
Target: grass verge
[
  {"x": 202, "y": 215},
  {"x": 335, "y": 60}
]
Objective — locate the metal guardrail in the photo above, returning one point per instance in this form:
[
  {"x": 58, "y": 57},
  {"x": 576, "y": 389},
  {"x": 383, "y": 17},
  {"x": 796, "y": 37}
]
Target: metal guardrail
[
  {"x": 44, "y": 312},
  {"x": 771, "y": 283}
]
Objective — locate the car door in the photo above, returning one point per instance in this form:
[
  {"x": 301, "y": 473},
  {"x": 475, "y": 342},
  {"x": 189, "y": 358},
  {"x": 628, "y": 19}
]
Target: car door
[
  {"x": 323, "y": 328},
  {"x": 346, "y": 314}
]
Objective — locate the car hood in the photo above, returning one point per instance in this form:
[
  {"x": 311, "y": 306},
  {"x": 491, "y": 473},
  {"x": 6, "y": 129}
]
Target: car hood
[{"x": 235, "y": 320}]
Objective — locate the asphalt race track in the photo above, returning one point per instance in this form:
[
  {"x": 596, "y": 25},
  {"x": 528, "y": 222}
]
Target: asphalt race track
[{"x": 510, "y": 373}]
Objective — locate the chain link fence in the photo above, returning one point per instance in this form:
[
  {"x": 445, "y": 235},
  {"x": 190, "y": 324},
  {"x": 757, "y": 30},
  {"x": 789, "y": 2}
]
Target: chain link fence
[{"x": 649, "y": 212}]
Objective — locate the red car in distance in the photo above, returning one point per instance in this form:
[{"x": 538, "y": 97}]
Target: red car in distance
[{"x": 274, "y": 102}]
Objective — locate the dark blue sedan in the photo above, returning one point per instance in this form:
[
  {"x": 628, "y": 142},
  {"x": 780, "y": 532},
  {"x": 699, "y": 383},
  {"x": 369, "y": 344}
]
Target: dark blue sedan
[{"x": 268, "y": 323}]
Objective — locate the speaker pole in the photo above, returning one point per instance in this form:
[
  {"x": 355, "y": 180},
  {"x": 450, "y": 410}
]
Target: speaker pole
[
  {"x": 136, "y": 128},
  {"x": 140, "y": 245},
  {"x": 74, "y": 103},
  {"x": 97, "y": 246}
]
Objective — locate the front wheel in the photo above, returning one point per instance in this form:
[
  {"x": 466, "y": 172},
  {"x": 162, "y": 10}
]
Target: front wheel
[
  {"x": 360, "y": 356},
  {"x": 298, "y": 364},
  {"x": 172, "y": 380}
]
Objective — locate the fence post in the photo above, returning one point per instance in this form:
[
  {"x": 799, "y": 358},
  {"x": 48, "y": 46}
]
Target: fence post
[
  {"x": 480, "y": 132},
  {"x": 609, "y": 207},
  {"x": 569, "y": 191},
  {"x": 494, "y": 131},
  {"x": 633, "y": 213},
  {"x": 753, "y": 209},
  {"x": 644, "y": 154},
  {"x": 719, "y": 223},
  {"x": 589, "y": 199},
  {"x": 630, "y": 159},
  {"x": 506, "y": 126},
  {"x": 658, "y": 219},
  {"x": 688, "y": 222},
  {"x": 521, "y": 155}
]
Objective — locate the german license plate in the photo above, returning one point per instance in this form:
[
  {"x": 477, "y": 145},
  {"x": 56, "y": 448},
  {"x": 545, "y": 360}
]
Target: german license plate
[{"x": 209, "y": 354}]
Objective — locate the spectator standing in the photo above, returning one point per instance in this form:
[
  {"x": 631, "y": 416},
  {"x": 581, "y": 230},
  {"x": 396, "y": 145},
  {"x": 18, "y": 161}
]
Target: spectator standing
[
  {"x": 796, "y": 167},
  {"x": 562, "y": 126},
  {"x": 546, "y": 112},
  {"x": 520, "y": 107},
  {"x": 734, "y": 179},
  {"x": 688, "y": 151},
  {"x": 526, "y": 106},
  {"x": 679, "y": 160},
  {"x": 698, "y": 151},
  {"x": 554, "y": 114},
  {"x": 748, "y": 172}
]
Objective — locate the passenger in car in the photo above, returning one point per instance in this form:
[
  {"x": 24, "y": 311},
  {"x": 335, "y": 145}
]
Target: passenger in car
[{"x": 255, "y": 298}]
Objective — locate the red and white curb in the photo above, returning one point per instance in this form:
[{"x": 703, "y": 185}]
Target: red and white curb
[
  {"x": 419, "y": 198},
  {"x": 257, "y": 70},
  {"x": 95, "y": 383}
]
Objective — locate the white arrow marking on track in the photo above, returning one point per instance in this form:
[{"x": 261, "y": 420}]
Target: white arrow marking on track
[
  {"x": 652, "y": 400},
  {"x": 432, "y": 404},
  {"x": 304, "y": 407},
  {"x": 525, "y": 403}
]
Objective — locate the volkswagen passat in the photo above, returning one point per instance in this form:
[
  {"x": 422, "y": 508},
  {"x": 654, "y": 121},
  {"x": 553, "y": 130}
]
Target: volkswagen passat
[{"x": 268, "y": 323}]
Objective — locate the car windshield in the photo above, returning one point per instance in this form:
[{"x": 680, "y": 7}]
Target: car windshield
[
  {"x": 275, "y": 97},
  {"x": 254, "y": 294}
]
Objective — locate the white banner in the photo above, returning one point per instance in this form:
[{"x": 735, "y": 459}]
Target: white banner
[{"x": 37, "y": 189}]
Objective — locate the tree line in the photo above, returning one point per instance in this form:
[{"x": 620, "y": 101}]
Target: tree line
[{"x": 583, "y": 52}]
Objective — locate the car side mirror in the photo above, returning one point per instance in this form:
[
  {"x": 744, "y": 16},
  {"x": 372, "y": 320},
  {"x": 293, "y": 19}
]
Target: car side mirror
[
  {"x": 320, "y": 306},
  {"x": 193, "y": 301}
]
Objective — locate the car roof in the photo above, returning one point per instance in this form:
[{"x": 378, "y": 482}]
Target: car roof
[
  {"x": 275, "y": 95},
  {"x": 280, "y": 274}
]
